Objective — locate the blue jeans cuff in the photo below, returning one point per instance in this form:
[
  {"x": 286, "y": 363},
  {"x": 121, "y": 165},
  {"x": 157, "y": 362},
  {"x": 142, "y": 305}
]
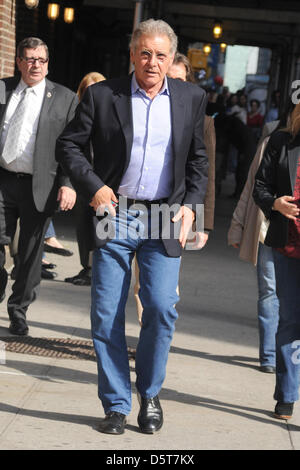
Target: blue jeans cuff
[{"x": 117, "y": 410}]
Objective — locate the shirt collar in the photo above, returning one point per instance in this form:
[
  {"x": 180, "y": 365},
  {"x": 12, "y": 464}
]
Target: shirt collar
[
  {"x": 38, "y": 89},
  {"x": 135, "y": 87}
]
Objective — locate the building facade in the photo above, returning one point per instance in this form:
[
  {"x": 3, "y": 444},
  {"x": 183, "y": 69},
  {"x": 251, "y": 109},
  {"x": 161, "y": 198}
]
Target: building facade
[{"x": 7, "y": 37}]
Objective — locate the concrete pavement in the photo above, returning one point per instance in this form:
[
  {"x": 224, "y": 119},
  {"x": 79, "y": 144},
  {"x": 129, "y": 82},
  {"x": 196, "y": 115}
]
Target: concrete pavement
[{"x": 214, "y": 396}]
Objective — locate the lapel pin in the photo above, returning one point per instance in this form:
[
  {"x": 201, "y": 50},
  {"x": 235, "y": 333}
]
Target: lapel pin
[{"x": 49, "y": 94}]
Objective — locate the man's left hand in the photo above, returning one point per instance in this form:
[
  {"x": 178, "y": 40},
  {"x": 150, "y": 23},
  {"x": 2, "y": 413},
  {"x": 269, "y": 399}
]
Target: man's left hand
[
  {"x": 66, "y": 197},
  {"x": 199, "y": 241},
  {"x": 187, "y": 217}
]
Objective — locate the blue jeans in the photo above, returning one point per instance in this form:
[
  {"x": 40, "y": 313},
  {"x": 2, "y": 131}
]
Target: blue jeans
[
  {"x": 50, "y": 230},
  {"x": 267, "y": 306},
  {"x": 288, "y": 335},
  {"x": 111, "y": 276}
]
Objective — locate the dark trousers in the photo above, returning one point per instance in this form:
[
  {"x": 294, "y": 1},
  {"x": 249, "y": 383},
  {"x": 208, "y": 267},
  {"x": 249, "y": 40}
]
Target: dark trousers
[
  {"x": 16, "y": 202},
  {"x": 242, "y": 170},
  {"x": 84, "y": 230}
]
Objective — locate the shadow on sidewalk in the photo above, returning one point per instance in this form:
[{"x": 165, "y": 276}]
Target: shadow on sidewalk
[
  {"x": 68, "y": 330},
  {"x": 214, "y": 405},
  {"x": 55, "y": 373}
]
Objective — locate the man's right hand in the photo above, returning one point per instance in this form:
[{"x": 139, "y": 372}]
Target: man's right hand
[{"x": 102, "y": 200}]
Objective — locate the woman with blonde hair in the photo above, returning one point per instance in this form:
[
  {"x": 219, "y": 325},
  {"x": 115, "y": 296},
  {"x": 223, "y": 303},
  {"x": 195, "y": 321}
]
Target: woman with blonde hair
[
  {"x": 89, "y": 79},
  {"x": 84, "y": 212},
  {"x": 277, "y": 193}
]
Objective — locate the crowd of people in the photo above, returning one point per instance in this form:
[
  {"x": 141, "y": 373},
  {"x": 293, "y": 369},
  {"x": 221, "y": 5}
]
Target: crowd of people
[
  {"x": 153, "y": 139},
  {"x": 239, "y": 125}
]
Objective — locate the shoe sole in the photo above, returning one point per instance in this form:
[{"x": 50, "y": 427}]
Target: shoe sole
[
  {"x": 277, "y": 416},
  {"x": 268, "y": 371},
  {"x": 110, "y": 432}
]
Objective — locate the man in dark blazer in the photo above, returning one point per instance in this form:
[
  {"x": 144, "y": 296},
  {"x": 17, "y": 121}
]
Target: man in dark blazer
[
  {"x": 147, "y": 135},
  {"x": 35, "y": 112}
]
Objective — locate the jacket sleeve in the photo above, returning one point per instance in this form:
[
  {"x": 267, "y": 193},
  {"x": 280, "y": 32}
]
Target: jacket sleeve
[
  {"x": 264, "y": 192},
  {"x": 63, "y": 179},
  {"x": 196, "y": 171},
  {"x": 71, "y": 145}
]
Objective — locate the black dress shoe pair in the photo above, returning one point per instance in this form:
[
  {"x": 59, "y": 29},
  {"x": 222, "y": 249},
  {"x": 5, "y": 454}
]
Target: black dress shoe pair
[
  {"x": 3, "y": 283},
  {"x": 150, "y": 418},
  {"x": 19, "y": 327}
]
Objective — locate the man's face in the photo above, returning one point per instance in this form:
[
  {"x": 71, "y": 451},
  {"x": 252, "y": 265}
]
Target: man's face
[
  {"x": 151, "y": 59},
  {"x": 33, "y": 73},
  {"x": 177, "y": 71}
]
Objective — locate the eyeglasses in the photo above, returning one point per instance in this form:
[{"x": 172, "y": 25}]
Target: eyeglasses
[{"x": 32, "y": 60}]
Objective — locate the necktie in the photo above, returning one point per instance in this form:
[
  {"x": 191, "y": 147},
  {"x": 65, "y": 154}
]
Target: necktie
[{"x": 17, "y": 120}]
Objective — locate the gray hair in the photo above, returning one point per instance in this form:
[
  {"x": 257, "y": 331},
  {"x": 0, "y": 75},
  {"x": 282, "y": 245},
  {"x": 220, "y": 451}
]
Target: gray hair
[
  {"x": 151, "y": 27},
  {"x": 31, "y": 43}
]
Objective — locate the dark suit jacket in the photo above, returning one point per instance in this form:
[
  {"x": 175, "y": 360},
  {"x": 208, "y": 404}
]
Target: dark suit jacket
[
  {"x": 276, "y": 177},
  {"x": 58, "y": 108},
  {"x": 105, "y": 116}
]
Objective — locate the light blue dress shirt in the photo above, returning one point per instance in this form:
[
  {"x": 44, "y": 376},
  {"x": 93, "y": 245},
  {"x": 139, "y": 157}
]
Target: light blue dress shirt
[{"x": 149, "y": 174}]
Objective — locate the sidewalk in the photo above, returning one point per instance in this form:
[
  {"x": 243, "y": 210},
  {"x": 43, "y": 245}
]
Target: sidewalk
[{"x": 214, "y": 396}]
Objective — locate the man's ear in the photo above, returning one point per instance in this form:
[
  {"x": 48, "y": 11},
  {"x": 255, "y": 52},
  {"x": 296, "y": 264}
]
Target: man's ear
[
  {"x": 18, "y": 61},
  {"x": 131, "y": 56}
]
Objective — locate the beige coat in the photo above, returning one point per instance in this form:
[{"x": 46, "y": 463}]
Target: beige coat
[{"x": 247, "y": 218}]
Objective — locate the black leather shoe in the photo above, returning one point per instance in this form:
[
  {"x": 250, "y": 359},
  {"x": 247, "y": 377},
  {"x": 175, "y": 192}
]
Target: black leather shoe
[
  {"x": 268, "y": 369},
  {"x": 83, "y": 278},
  {"x": 284, "y": 410},
  {"x": 113, "y": 423},
  {"x": 57, "y": 251},
  {"x": 49, "y": 265},
  {"x": 3, "y": 283},
  {"x": 18, "y": 327},
  {"x": 150, "y": 417},
  {"x": 48, "y": 274}
]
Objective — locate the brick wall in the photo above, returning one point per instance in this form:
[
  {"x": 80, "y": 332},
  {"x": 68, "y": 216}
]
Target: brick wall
[{"x": 7, "y": 37}]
